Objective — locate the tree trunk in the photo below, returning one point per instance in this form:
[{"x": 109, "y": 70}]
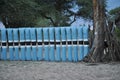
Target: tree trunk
[{"x": 99, "y": 33}]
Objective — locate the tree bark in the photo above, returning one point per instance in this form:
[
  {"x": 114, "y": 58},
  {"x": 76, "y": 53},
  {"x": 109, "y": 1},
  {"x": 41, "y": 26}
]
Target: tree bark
[{"x": 99, "y": 31}]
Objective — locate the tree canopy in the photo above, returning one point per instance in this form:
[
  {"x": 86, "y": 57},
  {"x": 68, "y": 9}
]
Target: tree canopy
[{"x": 19, "y": 13}]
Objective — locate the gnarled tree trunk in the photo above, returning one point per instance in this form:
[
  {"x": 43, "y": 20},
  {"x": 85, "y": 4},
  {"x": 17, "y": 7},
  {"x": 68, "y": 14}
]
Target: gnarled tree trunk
[{"x": 102, "y": 32}]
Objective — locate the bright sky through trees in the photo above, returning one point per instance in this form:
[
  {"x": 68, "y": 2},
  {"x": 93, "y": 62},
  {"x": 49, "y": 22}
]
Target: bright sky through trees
[{"x": 111, "y": 4}]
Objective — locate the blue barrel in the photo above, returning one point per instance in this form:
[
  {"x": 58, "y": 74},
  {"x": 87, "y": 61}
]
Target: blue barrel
[
  {"x": 57, "y": 54},
  {"x": 27, "y": 34},
  {"x": 15, "y": 35},
  {"x": 57, "y": 34},
  {"x": 40, "y": 53},
  {"x": 45, "y": 34},
  {"x": 46, "y": 52},
  {"x": 52, "y": 53},
  {"x": 0, "y": 51},
  {"x": 63, "y": 53},
  {"x": 63, "y": 34},
  {"x": 22, "y": 53},
  {"x": 74, "y": 33},
  {"x": 80, "y": 33},
  {"x": 11, "y": 52},
  {"x": 16, "y": 52},
  {"x": 4, "y": 53},
  {"x": 28, "y": 53},
  {"x": 34, "y": 53},
  {"x": 86, "y": 50},
  {"x": 51, "y": 34},
  {"x": 33, "y": 34},
  {"x": 39, "y": 34},
  {"x": 85, "y": 33},
  {"x": 0, "y": 35},
  {"x": 81, "y": 52},
  {"x": 70, "y": 53},
  {"x": 22, "y": 34},
  {"x": 75, "y": 53},
  {"x": 3, "y": 35},
  {"x": 10, "y": 35},
  {"x": 68, "y": 34}
]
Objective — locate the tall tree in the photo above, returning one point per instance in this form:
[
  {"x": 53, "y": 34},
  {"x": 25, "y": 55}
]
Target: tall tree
[{"x": 103, "y": 33}]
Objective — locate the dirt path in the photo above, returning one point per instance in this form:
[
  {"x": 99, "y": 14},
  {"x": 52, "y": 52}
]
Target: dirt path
[{"x": 28, "y": 70}]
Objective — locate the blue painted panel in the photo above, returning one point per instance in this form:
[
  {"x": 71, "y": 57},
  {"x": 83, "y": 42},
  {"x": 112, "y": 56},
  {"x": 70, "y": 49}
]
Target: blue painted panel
[
  {"x": 75, "y": 53},
  {"x": 80, "y": 33},
  {"x": 34, "y": 53},
  {"x": 0, "y": 35},
  {"x": 45, "y": 34},
  {"x": 16, "y": 52},
  {"x": 27, "y": 34},
  {"x": 28, "y": 53},
  {"x": 0, "y": 51},
  {"x": 63, "y": 34},
  {"x": 40, "y": 53},
  {"x": 58, "y": 51},
  {"x": 15, "y": 35},
  {"x": 69, "y": 53},
  {"x": 68, "y": 34},
  {"x": 85, "y": 33},
  {"x": 11, "y": 52},
  {"x": 74, "y": 33},
  {"x": 52, "y": 53},
  {"x": 51, "y": 34},
  {"x": 22, "y": 53},
  {"x": 46, "y": 52},
  {"x": 86, "y": 50},
  {"x": 3, "y": 35},
  {"x": 57, "y": 34},
  {"x": 63, "y": 54},
  {"x": 4, "y": 53},
  {"x": 33, "y": 34},
  {"x": 81, "y": 52},
  {"x": 39, "y": 34},
  {"x": 10, "y": 35},
  {"x": 22, "y": 34}
]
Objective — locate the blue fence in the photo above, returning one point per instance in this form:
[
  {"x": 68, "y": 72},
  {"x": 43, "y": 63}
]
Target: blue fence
[{"x": 49, "y": 44}]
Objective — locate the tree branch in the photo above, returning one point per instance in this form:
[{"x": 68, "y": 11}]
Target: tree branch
[
  {"x": 50, "y": 18},
  {"x": 73, "y": 20},
  {"x": 71, "y": 12}
]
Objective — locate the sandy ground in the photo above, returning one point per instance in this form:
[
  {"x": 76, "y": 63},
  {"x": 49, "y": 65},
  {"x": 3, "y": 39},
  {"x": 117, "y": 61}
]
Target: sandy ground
[{"x": 28, "y": 70}]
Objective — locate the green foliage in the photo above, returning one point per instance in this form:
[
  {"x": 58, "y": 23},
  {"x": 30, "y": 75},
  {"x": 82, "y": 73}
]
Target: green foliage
[
  {"x": 117, "y": 32},
  {"x": 115, "y": 14},
  {"x": 85, "y": 9},
  {"x": 54, "y": 11},
  {"x": 18, "y": 13},
  {"x": 114, "y": 18},
  {"x": 114, "y": 11},
  {"x": 42, "y": 22}
]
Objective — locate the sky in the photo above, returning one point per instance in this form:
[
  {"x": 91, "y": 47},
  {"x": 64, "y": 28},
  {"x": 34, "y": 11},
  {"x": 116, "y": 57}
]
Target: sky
[{"x": 111, "y": 4}]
